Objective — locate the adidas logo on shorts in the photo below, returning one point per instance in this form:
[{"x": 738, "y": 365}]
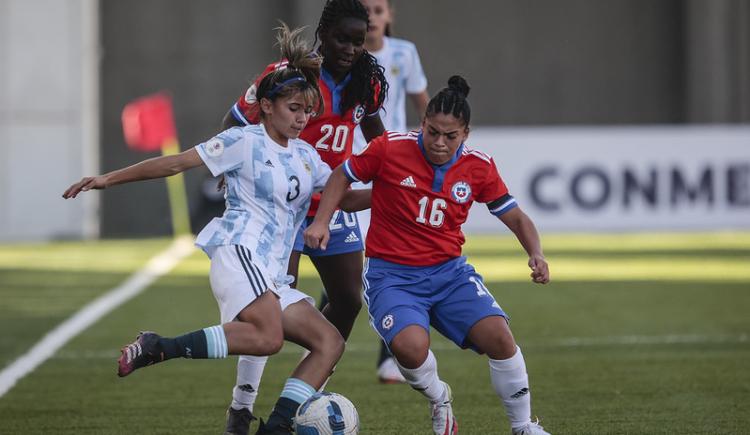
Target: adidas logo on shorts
[
  {"x": 351, "y": 238},
  {"x": 408, "y": 182}
]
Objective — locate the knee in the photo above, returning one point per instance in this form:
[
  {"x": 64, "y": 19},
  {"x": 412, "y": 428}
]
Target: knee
[
  {"x": 412, "y": 358},
  {"x": 350, "y": 302},
  {"x": 355, "y": 304},
  {"x": 335, "y": 344},
  {"x": 500, "y": 346},
  {"x": 410, "y": 349},
  {"x": 273, "y": 340},
  {"x": 329, "y": 343}
]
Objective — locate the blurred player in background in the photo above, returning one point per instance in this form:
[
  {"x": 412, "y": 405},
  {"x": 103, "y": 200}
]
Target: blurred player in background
[
  {"x": 415, "y": 276},
  {"x": 406, "y": 78},
  {"x": 353, "y": 87},
  {"x": 270, "y": 178},
  {"x": 403, "y": 69}
]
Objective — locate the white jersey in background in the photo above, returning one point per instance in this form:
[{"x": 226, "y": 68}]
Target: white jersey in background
[
  {"x": 404, "y": 73},
  {"x": 268, "y": 191}
]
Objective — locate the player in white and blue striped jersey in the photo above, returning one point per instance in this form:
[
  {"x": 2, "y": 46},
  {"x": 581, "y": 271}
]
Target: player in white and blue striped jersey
[
  {"x": 268, "y": 192},
  {"x": 270, "y": 178},
  {"x": 403, "y": 67}
]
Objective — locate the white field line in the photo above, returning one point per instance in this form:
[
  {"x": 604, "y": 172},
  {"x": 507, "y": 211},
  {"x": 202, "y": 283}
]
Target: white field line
[
  {"x": 570, "y": 342},
  {"x": 626, "y": 340},
  {"x": 156, "y": 267}
]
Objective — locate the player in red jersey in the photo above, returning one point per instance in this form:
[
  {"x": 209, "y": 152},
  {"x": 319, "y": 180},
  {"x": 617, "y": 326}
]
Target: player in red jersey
[
  {"x": 353, "y": 88},
  {"x": 415, "y": 277}
]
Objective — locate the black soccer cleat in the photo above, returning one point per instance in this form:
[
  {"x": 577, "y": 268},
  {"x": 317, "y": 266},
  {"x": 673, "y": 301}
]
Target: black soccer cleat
[
  {"x": 238, "y": 421},
  {"x": 143, "y": 352},
  {"x": 282, "y": 429}
]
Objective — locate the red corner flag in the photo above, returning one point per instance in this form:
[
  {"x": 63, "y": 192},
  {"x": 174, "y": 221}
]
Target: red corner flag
[{"x": 148, "y": 122}]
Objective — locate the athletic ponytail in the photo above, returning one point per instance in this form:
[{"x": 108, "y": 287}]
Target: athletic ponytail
[
  {"x": 452, "y": 100},
  {"x": 298, "y": 72}
]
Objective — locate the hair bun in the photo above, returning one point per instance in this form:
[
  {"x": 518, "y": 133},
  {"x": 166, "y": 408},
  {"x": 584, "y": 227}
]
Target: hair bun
[{"x": 459, "y": 85}]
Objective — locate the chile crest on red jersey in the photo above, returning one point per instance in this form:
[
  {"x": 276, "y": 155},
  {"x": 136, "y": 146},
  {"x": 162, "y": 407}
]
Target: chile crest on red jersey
[
  {"x": 358, "y": 113},
  {"x": 461, "y": 192},
  {"x": 418, "y": 208}
]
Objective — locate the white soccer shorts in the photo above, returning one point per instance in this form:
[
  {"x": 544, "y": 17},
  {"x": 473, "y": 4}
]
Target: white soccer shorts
[{"x": 236, "y": 282}]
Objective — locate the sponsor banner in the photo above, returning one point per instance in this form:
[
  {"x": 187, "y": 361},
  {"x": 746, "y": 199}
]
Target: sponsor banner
[{"x": 621, "y": 179}]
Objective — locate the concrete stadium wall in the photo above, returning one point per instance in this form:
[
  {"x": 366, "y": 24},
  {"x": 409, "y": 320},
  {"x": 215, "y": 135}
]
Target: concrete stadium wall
[
  {"x": 577, "y": 62},
  {"x": 580, "y": 62},
  {"x": 204, "y": 54},
  {"x": 48, "y": 117}
]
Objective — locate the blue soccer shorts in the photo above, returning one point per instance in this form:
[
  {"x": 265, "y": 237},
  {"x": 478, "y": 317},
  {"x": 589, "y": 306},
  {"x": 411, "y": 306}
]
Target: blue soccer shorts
[
  {"x": 346, "y": 236},
  {"x": 450, "y": 297}
]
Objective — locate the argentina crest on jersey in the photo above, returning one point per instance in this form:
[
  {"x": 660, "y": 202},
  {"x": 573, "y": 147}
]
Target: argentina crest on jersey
[
  {"x": 461, "y": 192},
  {"x": 358, "y": 113},
  {"x": 214, "y": 147}
]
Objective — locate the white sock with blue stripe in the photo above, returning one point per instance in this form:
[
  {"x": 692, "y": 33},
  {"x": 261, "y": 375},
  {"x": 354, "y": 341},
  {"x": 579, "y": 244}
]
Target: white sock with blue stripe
[
  {"x": 201, "y": 344},
  {"x": 216, "y": 342},
  {"x": 297, "y": 390},
  {"x": 295, "y": 393}
]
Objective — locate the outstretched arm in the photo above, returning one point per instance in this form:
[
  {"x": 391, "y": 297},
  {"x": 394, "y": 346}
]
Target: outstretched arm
[
  {"x": 317, "y": 235},
  {"x": 157, "y": 167},
  {"x": 526, "y": 233}
]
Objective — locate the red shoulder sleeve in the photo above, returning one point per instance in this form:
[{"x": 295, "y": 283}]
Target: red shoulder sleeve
[
  {"x": 493, "y": 186},
  {"x": 366, "y": 165}
]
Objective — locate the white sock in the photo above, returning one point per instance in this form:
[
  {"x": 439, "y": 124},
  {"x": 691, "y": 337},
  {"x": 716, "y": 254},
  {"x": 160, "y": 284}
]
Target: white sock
[
  {"x": 511, "y": 384},
  {"x": 249, "y": 372},
  {"x": 425, "y": 378}
]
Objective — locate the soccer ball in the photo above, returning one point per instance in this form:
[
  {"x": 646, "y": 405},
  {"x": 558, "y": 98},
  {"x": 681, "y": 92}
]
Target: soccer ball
[{"x": 327, "y": 414}]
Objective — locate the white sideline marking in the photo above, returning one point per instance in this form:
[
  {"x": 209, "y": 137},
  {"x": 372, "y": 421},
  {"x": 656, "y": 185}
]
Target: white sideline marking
[{"x": 157, "y": 266}]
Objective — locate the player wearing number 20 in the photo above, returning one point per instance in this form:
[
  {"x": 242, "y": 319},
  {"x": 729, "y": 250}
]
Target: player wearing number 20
[
  {"x": 353, "y": 87},
  {"x": 415, "y": 277}
]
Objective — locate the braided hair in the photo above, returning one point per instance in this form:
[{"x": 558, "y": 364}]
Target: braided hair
[
  {"x": 368, "y": 85},
  {"x": 452, "y": 100}
]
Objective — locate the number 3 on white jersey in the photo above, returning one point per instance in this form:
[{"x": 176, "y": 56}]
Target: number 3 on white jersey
[
  {"x": 436, "y": 213},
  {"x": 340, "y": 135}
]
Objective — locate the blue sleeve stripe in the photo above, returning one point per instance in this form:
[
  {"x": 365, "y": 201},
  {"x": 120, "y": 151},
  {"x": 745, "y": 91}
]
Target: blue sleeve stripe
[
  {"x": 238, "y": 115},
  {"x": 349, "y": 173},
  {"x": 504, "y": 207}
]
